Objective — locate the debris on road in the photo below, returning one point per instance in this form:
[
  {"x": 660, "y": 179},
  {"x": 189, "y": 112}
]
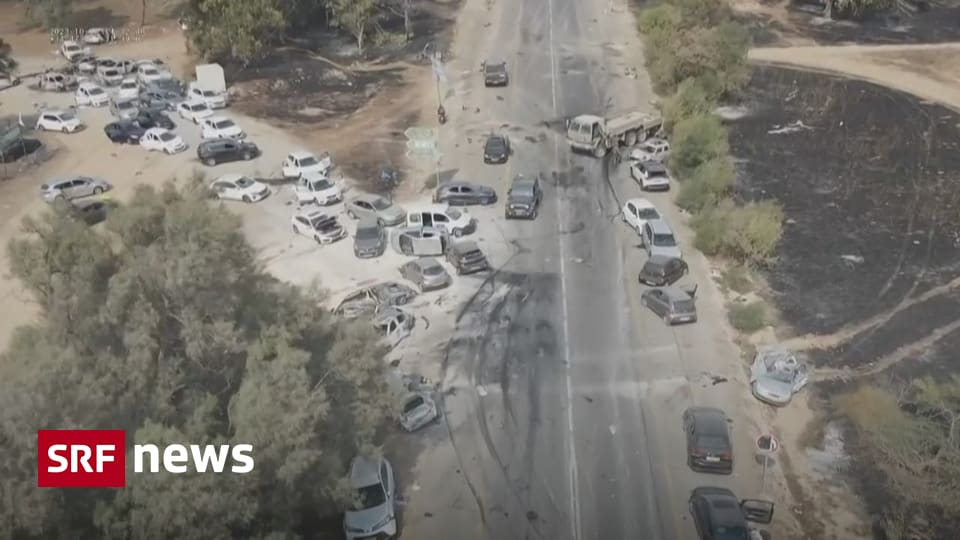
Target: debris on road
[
  {"x": 792, "y": 127},
  {"x": 481, "y": 390}
]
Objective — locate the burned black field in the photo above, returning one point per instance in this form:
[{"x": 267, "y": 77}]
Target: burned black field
[{"x": 869, "y": 179}]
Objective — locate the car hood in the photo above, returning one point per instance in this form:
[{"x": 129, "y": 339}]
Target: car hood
[
  {"x": 773, "y": 388},
  {"x": 392, "y": 214},
  {"x": 521, "y": 201},
  {"x": 366, "y": 519},
  {"x": 367, "y": 243}
]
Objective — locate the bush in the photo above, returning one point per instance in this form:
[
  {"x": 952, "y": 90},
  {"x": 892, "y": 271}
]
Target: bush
[
  {"x": 709, "y": 183},
  {"x": 710, "y": 227},
  {"x": 737, "y": 279},
  {"x": 694, "y": 97},
  {"x": 697, "y": 140},
  {"x": 747, "y": 318},
  {"x": 748, "y": 234}
]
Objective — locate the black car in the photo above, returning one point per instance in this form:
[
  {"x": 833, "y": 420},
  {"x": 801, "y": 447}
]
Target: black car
[
  {"x": 708, "y": 440},
  {"x": 464, "y": 194},
  {"x": 496, "y": 150},
  {"x": 124, "y": 132},
  {"x": 719, "y": 515},
  {"x": 214, "y": 151},
  {"x": 662, "y": 270},
  {"x": 495, "y": 74},
  {"x": 148, "y": 118},
  {"x": 523, "y": 199},
  {"x": 466, "y": 258}
]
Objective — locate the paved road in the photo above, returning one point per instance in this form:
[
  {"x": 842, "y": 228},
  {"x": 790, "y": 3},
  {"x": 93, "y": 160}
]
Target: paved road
[{"x": 564, "y": 397}]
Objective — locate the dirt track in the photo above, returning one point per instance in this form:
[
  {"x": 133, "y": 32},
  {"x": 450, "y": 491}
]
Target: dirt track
[{"x": 927, "y": 71}]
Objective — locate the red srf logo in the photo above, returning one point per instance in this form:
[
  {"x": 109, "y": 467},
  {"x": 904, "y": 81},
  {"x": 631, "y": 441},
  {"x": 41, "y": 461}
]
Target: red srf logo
[{"x": 92, "y": 458}]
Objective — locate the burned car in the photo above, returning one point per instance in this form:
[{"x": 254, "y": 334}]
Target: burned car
[
  {"x": 420, "y": 241},
  {"x": 467, "y": 258},
  {"x": 418, "y": 410},
  {"x": 777, "y": 374},
  {"x": 368, "y": 300},
  {"x": 672, "y": 304},
  {"x": 394, "y": 324}
]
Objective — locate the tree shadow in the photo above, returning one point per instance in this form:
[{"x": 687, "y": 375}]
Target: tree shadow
[{"x": 95, "y": 17}]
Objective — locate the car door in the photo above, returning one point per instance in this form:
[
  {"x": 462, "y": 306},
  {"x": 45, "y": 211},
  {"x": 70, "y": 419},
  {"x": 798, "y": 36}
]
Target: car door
[
  {"x": 467, "y": 195},
  {"x": 303, "y": 225},
  {"x": 801, "y": 377},
  {"x": 385, "y": 478},
  {"x": 440, "y": 221},
  {"x": 701, "y": 518},
  {"x": 757, "y": 511},
  {"x": 674, "y": 270},
  {"x": 646, "y": 237},
  {"x": 660, "y": 303},
  {"x": 229, "y": 150},
  {"x": 688, "y": 430},
  {"x": 406, "y": 244},
  {"x": 632, "y": 215},
  {"x": 81, "y": 187}
]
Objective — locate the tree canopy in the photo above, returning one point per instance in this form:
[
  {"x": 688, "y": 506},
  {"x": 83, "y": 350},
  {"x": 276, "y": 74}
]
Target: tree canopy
[
  {"x": 7, "y": 63},
  {"x": 164, "y": 324}
]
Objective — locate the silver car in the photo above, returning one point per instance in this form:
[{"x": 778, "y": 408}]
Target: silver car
[
  {"x": 777, "y": 374},
  {"x": 377, "y": 207},
  {"x": 673, "y": 304},
  {"x": 419, "y": 409},
  {"x": 124, "y": 110},
  {"x": 73, "y": 188},
  {"x": 658, "y": 239},
  {"x": 372, "y": 514},
  {"x": 370, "y": 240},
  {"x": 427, "y": 273}
]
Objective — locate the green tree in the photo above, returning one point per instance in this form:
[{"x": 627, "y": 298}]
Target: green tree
[
  {"x": 356, "y": 17},
  {"x": 164, "y": 324},
  {"x": 7, "y": 63},
  {"x": 227, "y": 30},
  {"x": 49, "y": 13},
  {"x": 697, "y": 140},
  {"x": 694, "y": 96}
]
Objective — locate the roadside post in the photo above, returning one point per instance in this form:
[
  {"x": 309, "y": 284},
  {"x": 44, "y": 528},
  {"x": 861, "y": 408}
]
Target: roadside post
[
  {"x": 768, "y": 446},
  {"x": 423, "y": 144}
]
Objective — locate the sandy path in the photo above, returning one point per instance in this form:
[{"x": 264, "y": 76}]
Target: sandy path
[{"x": 928, "y": 71}]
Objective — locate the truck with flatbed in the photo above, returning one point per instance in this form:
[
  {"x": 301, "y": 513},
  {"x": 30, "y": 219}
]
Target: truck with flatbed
[{"x": 598, "y": 135}]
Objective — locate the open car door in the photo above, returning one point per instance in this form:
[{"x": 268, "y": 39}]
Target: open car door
[
  {"x": 801, "y": 377},
  {"x": 757, "y": 511}
]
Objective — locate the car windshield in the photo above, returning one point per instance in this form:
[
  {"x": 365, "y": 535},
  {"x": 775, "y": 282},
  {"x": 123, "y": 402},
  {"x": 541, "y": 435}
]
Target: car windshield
[
  {"x": 150, "y": 71},
  {"x": 433, "y": 270},
  {"x": 453, "y": 213},
  {"x": 126, "y": 85},
  {"x": 496, "y": 68},
  {"x": 683, "y": 306},
  {"x": 380, "y": 204},
  {"x": 370, "y": 496},
  {"x": 95, "y": 91},
  {"x": 495, "y": 144},
  {"x": 125, "y": 105},
  {"x": 648, "y": 213},
  {"x": 731, "y": 533},
  {"x": 111, "y": 73},
  {"x": 664, "y": 239},
  {"x": 368, "y": 233},
  {"x": 308, "y": 161},
  {"x": 713, "y": 442},
  {"x": 198, "y": 107},
  {"x": 317, "y": 185},
  {"x": 324, "y": 223},
  {"x": 223, "y": 124},
  {"x": 413, "y": 404},
  {"x": 244, "y": 182},
  {"x": 71, "y": 48},
  {"x": 209, "y": 93},
  {"x": 167, "y": 136},
  {"x": 66, "y": 117}
]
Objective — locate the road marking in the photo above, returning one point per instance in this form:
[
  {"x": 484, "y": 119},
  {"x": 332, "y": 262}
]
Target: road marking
[{"x": 571, "y": 446}]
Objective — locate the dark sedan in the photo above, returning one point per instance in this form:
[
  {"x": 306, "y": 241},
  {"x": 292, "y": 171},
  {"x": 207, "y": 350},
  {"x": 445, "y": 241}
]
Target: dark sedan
[
  {"x": 708, "y": 440},
  {"x": 495, "y": 74},
  {"x": 464, "y": 194},
  {"x": 213, "y": 151},
  {"x": 662, "y": 270},
  {"x": 147, "y": 119},
  {"x": 719, "y": 515},
  {"x": 496, "y": 150},
  {"x": 124, "y": 132}
]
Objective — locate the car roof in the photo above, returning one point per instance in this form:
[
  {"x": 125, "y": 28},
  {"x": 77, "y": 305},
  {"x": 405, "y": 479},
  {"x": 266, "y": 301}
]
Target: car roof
[
  {"x": 711, "y": 419},
  {"x": 368, "y": 223},
  {"x": 230, "y": 177},
  {"x": 640, "y": 202},
  {"x": 675, "y": 293},
  {"x": 300, "y": 154},
  {"x": 659, "y": 260},
  {"x": 55, "y": 111},
  {"x": 216, "y": 119},
  {"x": 654, "y": 166},
  {"x": 364, "y": 471},
  {"x": 659, "y": 226},
  {"x": 725, "y": 508}
]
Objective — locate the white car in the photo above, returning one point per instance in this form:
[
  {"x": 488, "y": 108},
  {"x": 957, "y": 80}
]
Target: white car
[
  {"x": 148, "y": 73},
  {"x": 163, "y": 140},
  {"x": 128, "y": 89},
  {"x": 651, "y": 150},
  {"x": 71, "y": 50},
  {"x": 195, "y": 111},
  {"x": 220, "y": 127},
  {"x": 238, "y": 187},
  {"x": 109, "y": 76},
  {"x": 91, "y": 95},
  {"x": 213, "y": 99},
  {"x": 651, "y": 175},
  {"x": 87, "y": 64},
  {"x": 317, "y": 188},
  {"x": 57, "y": 120},
  {"x": 302, "y": 163},
  {"x": 98, "y": 36},
  {"x": 319, "y": 225},
  {"x": 636, "y": 213}
]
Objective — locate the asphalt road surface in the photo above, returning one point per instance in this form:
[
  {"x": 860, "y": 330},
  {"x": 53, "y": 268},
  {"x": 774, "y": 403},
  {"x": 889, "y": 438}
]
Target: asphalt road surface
[{"x": 564, "y": 397}]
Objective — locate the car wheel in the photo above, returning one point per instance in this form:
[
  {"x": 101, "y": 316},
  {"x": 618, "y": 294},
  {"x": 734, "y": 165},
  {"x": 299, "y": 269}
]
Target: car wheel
[
  {"x": 65, "y": 129},
  {"x": 210, "y": 162},
  {"x": 246, "y": 198},
  {"x": 458, "y": 233},
  {"x": 247, "y": 156},
  {"x": 351, "y": 215},
  {"x": 318, "y": 239},
  {"x": 295, "y": 229}
]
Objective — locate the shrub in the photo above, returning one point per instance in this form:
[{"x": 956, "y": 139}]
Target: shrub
[
  {"x": 694, "y": 97},
  {"x": 710, "y": 227},
  {"x": 697, "y": 140},
  {"x": 737, "y": 279},
  {"x": 748, "y": 317},
  {"x": 755, "y": 230},
  {"x": 709, "y": 183}
]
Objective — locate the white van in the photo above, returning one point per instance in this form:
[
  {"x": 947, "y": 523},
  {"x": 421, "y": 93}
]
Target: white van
[{"x": 455, "y": 221}]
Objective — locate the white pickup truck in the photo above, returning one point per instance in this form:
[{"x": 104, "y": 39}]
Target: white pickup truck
[{"x": 598, "y": 135}]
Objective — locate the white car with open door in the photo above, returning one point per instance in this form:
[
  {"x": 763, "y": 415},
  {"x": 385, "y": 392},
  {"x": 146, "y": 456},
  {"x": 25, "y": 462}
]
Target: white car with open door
[
  {"x": 420, "y": 241},
  {"x": 194, "y": 111},
  {"x": 301, "y": 163},
  {"x": 777, "y": 374},
  {"x": 162, "y": 140},
  {"x": 220, "y": 127},
  {"x": 237, "y": 187},
  {"x": 317, "y": 188},
  {"x": 56, "y": 120},
  {"x": 636, "y": 213}
]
